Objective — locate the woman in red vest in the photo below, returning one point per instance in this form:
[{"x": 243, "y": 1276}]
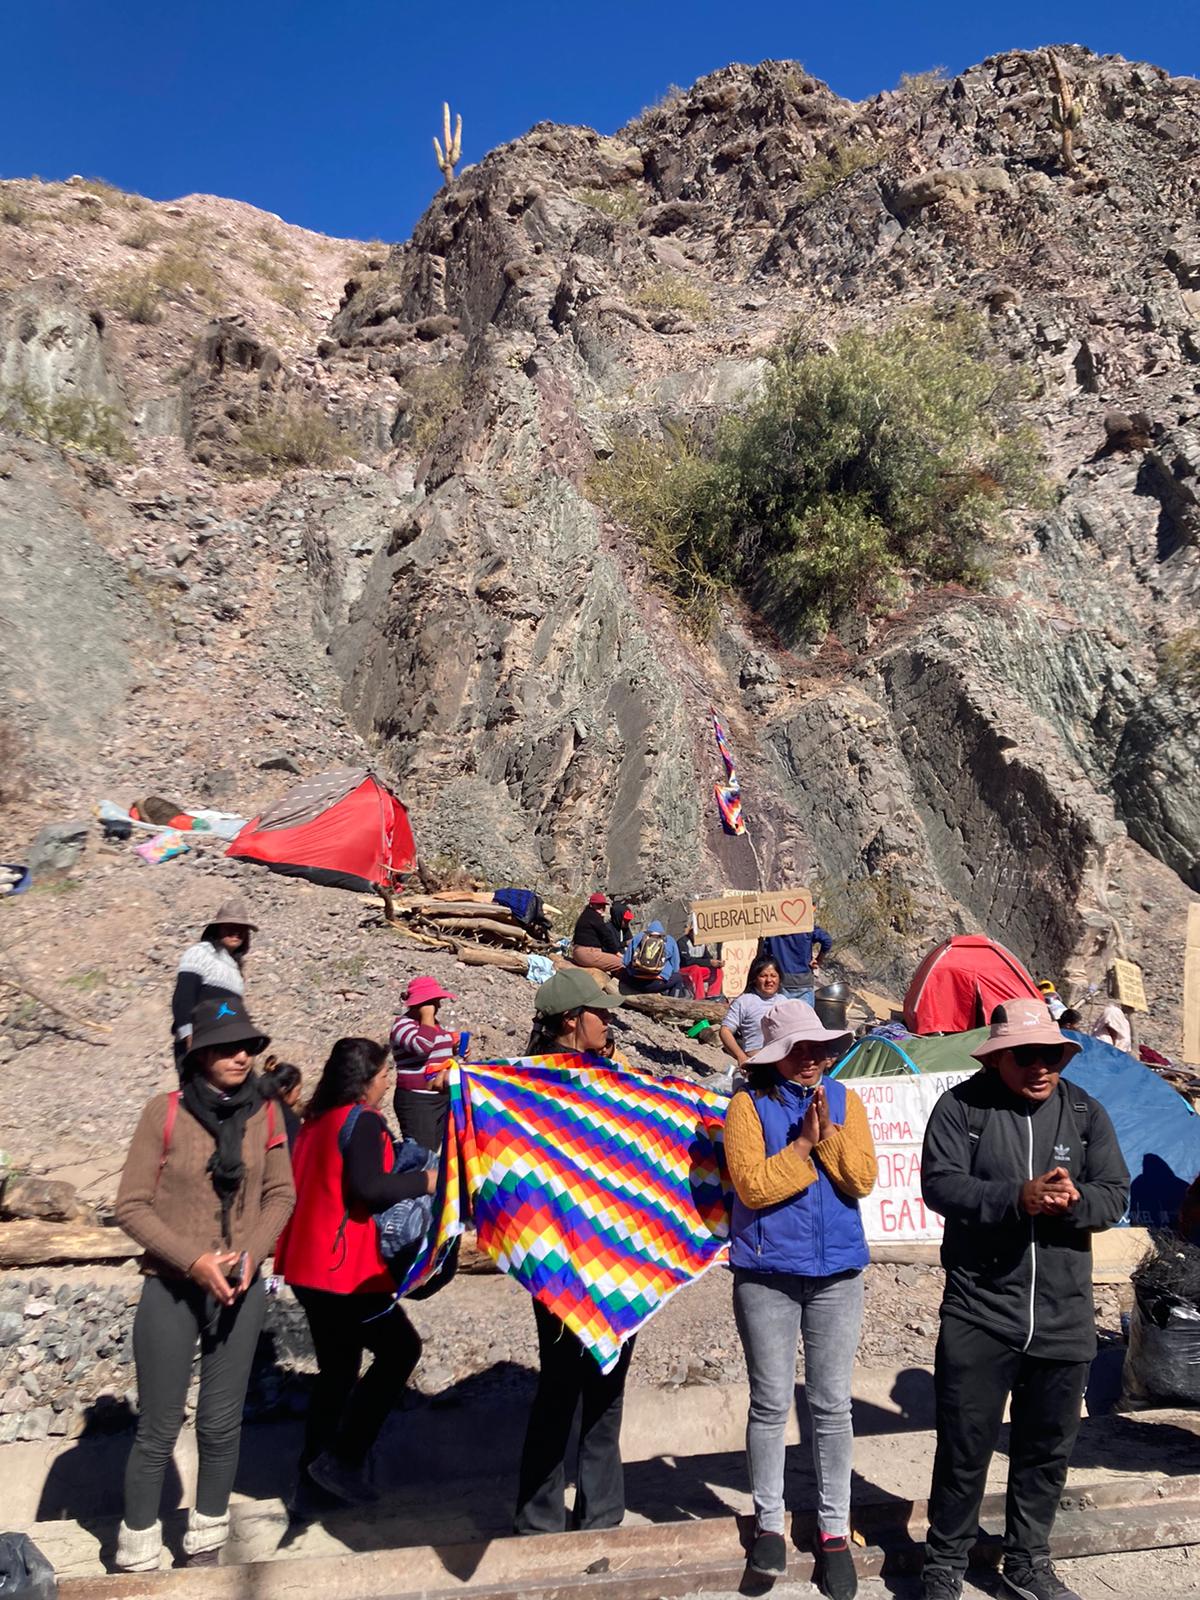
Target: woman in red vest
[{"x": 329, "y": 1254}]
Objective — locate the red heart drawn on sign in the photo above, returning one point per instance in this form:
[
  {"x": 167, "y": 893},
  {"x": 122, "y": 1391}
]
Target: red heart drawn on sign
[{"x": 795, "y": 911}]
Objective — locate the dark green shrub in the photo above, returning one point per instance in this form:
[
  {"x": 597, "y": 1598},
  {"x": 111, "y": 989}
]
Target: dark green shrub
[
  {"x": 298, "y": 434},
  {"x": 893, "y": 455}
]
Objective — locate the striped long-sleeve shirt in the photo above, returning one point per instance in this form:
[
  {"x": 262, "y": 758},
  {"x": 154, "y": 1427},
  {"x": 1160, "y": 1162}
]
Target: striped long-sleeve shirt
[{"x": 419, "y": 1051}]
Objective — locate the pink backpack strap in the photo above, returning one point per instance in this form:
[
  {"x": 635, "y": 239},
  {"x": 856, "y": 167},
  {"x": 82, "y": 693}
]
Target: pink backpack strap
[
  {"x": 275, "y": 1137},
  {"x": 168, "y": 1130}
]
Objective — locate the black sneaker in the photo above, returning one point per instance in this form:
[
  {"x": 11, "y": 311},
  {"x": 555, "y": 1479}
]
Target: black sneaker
[
  {"x": 836, "y": 1577},
  {"x": 940, "y": 1583},
  {"x": 1035, "y": 1580},
  {"x": 768, "y": 1555}
]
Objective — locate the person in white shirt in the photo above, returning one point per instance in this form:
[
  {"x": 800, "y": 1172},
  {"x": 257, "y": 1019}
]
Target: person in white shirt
[
  {"x": 741, "y": 1032},
  {"x": 1113, "y": 1027}
]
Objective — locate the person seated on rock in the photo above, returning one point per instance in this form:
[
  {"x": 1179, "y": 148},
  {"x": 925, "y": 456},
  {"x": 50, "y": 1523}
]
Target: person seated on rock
[
  {"x": 422, "y": 1050},
  {"x": 573, "y": 1015},
  {"x": 699, "y": 966},
  {"x": 210, "y": 969},
  {"x": 651, "y": 965},
  {"x": 621, "y": 918},
  {"x": 741, "y": 1032},
  {"x": 595, "y": 942},
  {"x": 1114, "y": 1028},
  {"x": 206, "y": 1189}
]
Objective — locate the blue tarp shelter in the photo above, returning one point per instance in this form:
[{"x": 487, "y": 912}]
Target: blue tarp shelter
[{"x": 1159, "y": 1133}]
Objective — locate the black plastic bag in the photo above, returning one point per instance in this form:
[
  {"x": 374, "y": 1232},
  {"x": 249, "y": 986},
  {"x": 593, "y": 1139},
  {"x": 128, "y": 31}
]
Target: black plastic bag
[
  {"x": 25, "y": 1574},
  {"x": 1163, "y": 1359}
]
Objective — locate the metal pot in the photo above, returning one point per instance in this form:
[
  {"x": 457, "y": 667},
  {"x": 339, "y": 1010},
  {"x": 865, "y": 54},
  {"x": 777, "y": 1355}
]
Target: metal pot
[{"x": 830, "y": 1003}]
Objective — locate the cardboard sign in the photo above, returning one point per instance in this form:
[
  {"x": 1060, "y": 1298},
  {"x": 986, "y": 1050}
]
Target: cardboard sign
[
  {"x": 754, "y": 916},
  {"x": 737, "y": 954},
  {"x": 898, "y": 1109},
  {"x": 1127, "y": 986}
]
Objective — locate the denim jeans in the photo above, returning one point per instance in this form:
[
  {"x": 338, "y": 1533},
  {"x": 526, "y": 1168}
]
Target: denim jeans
[{"x": 774, "y": 1312}]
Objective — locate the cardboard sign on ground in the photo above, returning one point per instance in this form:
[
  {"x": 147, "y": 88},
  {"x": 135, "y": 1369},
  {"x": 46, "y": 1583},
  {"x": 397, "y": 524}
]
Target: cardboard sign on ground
[
  {"x": 754, "y": 916},
  {"x": 1191, "y": 989},
  {"x": 898, "y": 1109},
  {"x": 1128, "y": 989}
]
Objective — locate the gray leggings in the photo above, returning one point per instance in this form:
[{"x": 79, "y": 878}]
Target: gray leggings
[
  {"x": 774, "y": 1311},
  {"x": 171, "y": 1319}
]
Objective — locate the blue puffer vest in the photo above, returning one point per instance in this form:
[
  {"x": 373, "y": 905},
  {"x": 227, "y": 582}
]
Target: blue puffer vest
[{"x": 817, "y": 1232}]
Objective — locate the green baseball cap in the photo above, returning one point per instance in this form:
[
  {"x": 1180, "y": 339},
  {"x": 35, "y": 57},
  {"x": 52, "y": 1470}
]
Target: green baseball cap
[{"x": 570, "y": 989}]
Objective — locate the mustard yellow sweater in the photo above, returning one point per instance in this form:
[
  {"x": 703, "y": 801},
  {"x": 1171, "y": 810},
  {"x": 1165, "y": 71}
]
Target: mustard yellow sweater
[{"x": 847, "y": 1155}]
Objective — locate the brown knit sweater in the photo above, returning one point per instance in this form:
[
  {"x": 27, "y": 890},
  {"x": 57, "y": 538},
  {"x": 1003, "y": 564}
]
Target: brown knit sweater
[{"x": 176, "y": 1215}]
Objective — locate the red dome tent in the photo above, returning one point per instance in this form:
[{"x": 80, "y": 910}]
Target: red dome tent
[
  {"x": 345, "y": 829},
  {"x": 959, "y": 984}
]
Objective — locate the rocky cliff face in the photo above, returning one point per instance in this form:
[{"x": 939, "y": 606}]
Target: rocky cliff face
[{"x": 1022, "y": 761}]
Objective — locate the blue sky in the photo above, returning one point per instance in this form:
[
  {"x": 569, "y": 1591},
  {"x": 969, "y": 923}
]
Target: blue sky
[{"x": 323, "y": 111}]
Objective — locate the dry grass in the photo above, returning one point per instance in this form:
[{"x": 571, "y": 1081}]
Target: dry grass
[
  {"x": 670, "y": 292},
  {"x": 435, "y": 393},
  {"x": 296, "y": 433},
  {"x": 622, "y": 205}
]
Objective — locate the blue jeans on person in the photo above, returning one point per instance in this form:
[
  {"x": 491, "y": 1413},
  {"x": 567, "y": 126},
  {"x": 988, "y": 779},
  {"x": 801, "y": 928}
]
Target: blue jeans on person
[
  {"x": 797, "y": 988},
  {"x": 774, "y": 1311}
]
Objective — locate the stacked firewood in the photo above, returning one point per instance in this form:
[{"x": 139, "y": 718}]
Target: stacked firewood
[{"x": 463, "y": 914}]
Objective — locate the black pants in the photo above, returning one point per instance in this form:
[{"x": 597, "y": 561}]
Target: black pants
[
  {"x": 172, "y": 1317},
  {"x": 346, "y": 1412},
  {"x": 973, "y": 1376},
  {"x": 422, "y": 1116},
  {"x": 569, "y": 1379}
]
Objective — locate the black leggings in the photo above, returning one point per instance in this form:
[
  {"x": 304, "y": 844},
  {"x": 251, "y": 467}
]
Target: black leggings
[
  {"x": 346, "y": 1412},
  {"x": 172, "y": 1316}
]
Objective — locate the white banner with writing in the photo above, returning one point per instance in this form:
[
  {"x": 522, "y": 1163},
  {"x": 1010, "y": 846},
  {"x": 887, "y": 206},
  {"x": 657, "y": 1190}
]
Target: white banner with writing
[{"x": 898, "y": 1109}]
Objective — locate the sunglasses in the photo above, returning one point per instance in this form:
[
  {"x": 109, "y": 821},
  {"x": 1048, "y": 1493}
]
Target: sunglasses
[{"x": 1029, "y": 1055}]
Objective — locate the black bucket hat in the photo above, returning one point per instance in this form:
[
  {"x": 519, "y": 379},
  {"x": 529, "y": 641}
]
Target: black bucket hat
[{"x": 224, "y": 1021}]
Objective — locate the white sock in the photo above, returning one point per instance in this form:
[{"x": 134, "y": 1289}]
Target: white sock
[
  {"x": 139, "y": 1549},
  {"x": 205, "y": 1533}
]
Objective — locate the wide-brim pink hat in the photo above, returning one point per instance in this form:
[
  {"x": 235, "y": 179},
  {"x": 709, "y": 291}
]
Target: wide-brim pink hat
[
  {"x": 1021, "y": 1021},
  {"x": 421, "y": 991},
  {"x": 792, "y": 1022}
]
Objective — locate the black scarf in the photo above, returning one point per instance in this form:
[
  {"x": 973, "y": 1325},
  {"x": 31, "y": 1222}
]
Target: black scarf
[{"x": 224, "y": 1116}]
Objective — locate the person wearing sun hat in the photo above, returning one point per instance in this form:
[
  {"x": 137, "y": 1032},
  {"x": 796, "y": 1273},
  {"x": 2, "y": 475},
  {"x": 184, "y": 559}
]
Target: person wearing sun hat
[
  {"x": 422, "y": 1050},
  {"x": 212, "y": 968},
  {"x": 801, "y": 1157},
  {"x": 1025, "y": 1167},
  {"x": 205, "y": 1189}
]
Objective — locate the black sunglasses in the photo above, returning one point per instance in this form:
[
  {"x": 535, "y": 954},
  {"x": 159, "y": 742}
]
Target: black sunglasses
[{"x": 1028, "y": 1055}]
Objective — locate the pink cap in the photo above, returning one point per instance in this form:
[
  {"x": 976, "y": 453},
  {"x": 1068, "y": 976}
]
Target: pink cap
[{"x": 421, "y": 991}]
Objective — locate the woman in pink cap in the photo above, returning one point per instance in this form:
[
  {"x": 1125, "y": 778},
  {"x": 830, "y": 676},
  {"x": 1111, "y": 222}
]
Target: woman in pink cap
[{"x": 422, "y": 1050}]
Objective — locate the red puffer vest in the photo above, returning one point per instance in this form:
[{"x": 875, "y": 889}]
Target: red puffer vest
[{"x": 310, "y": 1252}]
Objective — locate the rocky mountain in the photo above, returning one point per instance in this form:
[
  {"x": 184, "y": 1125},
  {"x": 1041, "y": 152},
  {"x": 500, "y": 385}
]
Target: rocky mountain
[{"x": 347, "y": 509}]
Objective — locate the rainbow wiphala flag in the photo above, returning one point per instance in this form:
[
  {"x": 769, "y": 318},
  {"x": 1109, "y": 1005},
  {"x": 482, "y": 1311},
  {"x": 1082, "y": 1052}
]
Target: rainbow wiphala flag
[{"x": 601, "y": 1191}]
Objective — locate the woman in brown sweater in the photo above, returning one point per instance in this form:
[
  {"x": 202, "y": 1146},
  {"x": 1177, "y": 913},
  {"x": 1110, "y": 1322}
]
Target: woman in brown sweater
[{"x": 206, "y": 1188}]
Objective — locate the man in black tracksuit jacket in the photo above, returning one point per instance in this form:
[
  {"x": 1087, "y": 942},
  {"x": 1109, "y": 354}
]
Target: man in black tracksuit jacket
[{"x": 1024, "y": 1167}]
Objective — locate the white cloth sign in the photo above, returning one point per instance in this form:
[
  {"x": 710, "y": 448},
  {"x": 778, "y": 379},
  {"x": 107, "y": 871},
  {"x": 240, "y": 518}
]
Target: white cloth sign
[{"x": 898, "y": 1109}]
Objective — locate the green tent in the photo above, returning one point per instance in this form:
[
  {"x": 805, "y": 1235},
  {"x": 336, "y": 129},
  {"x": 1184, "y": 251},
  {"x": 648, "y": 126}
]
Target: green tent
[{"x": 884, "y": 1058}]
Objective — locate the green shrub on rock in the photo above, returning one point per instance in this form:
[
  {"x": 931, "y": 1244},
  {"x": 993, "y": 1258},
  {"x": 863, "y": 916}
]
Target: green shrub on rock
[{"x": 893, "y": 455}]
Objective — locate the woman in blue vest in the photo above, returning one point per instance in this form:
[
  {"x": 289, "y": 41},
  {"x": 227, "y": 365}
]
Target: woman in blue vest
[{"x": 801, "y": 1156}]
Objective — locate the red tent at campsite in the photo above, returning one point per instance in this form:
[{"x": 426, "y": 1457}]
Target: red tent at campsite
[
  {"x": 345, "y": 829},
  {"x": 960, "y": 983}
]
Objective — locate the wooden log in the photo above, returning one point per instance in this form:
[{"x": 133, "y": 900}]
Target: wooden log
[
  {"x": 37, "y": 1244},
  {"x": 498, "y": 930},
  {"x": 665, "y": 1009},
  {"x": 462, "y": 906}
]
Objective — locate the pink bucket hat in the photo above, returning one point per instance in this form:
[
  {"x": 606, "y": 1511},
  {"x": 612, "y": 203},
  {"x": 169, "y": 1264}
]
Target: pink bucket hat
[
  {"x": 790, "y": 1022},
  {"x": 1022, "y": 1021},
  {"x": 421, "y": 991}
]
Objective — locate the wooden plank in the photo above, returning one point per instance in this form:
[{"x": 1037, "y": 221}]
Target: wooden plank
[
  {"x": 1191, "y": 988},
  {"x": 642, "y": 1562},
  {"x": 40, "y": 1244}
]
